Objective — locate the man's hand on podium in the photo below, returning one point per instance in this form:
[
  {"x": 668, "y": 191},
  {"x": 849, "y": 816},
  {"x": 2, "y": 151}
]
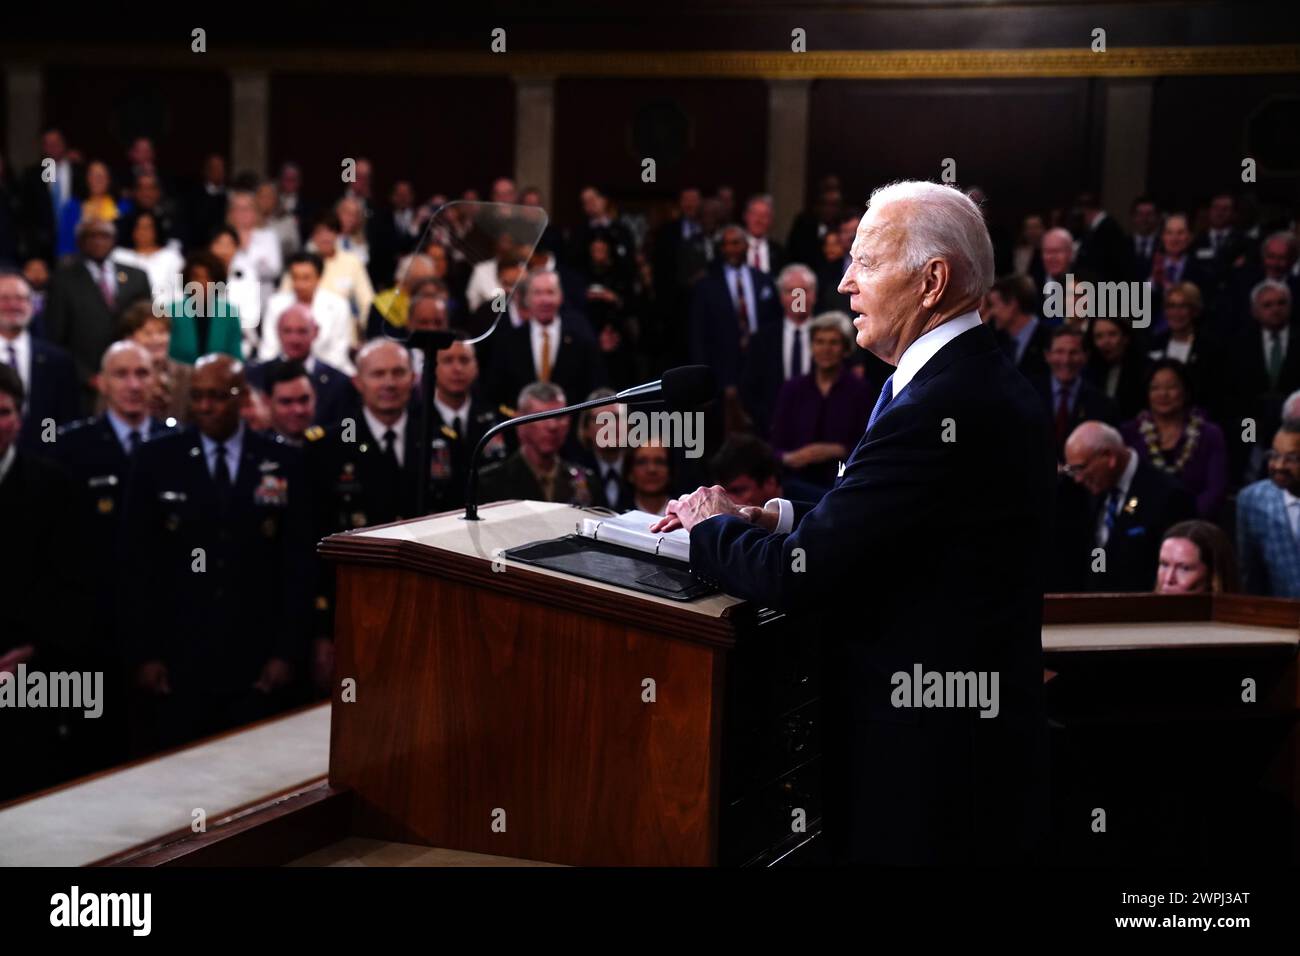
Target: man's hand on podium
[{"x": 690, "y": 509}]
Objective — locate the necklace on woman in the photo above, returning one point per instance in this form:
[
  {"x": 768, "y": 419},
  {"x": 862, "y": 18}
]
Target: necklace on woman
[{"x": 1151, "y": 436}]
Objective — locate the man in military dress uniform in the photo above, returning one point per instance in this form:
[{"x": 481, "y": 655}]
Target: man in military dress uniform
[
  {"x": 219, "y": 552},
  {"x": 459, "y": 421},
  {"x": 97, "y": 454},
  {"x": 536, "y": 471}
]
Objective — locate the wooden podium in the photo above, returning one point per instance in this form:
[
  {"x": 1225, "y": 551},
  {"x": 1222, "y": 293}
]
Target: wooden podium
[{"x": 505, "y": 709}]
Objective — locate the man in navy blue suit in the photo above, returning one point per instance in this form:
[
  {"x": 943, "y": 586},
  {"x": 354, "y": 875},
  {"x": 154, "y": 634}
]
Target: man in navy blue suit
[
  {"x": 922, "y": 566},
  {"x": 47, "y": 372}
]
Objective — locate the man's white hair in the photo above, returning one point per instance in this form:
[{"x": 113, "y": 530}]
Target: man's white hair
[
  {"x": 1291, "y": 407},
  {"x": 794, "y": 271},
  {"x": 940, "y": 222},
  {"x": 1264, "y": 285}
]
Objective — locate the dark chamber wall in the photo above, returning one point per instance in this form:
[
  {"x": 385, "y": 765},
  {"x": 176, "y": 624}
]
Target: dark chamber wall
[
  {"x": 1203, "y": 126},
  {"x": 444, "y": 134},
  {"x": 1028, "y": 143},
  {"x": 185, "y": 112},
  {"x": 702, "y": 133}
]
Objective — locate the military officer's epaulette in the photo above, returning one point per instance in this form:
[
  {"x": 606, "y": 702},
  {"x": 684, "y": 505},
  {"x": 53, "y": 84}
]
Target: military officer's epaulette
[
  {"x": 75, "y": 426},
  {"x": 314, "y": 433},
  {"x": 506, "y": 410}
]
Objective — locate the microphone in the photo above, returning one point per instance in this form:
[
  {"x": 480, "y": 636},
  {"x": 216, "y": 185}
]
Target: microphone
[{"x": 681, "y": 389}]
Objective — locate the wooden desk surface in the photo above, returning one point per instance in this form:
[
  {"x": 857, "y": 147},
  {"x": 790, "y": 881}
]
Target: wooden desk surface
[
  {"x": 510, "y": 524},
  {"x": 1180, "y": 635},
  {"x": 108, "y": 813}
]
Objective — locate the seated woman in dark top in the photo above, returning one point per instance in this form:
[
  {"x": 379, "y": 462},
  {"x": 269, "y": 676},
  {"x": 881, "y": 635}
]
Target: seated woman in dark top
[
  {"x": 1116, "y": 364},
  {"x": 1179, "y": 439},
  {"x": 820, "y": 417}
]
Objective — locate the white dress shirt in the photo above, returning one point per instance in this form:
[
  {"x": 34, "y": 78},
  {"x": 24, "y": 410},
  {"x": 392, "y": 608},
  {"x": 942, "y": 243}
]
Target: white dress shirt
[
  {"x": 378, "y": 429},
  {"x": 234, "y": 447},
  {"x": 535, "y": 330},
  {"x": 911, "y": 362},
  {"x": 789, "y": 331},
  {"x": 451, "y": 415},
  {"x": 1122, "y": 485},
  {"x": 333, "y": 317},
  {"x": 729, "y": 274},
  {"x": 22, "y": 354},
  {"x": 758, "y": 254},
  {"x": 1292, "y": 511},
  {"x": 163, "y": 267}
]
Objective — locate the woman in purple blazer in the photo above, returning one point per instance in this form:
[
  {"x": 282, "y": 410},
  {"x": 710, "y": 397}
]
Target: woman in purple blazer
[
  {"x": 820, "y": 416},
  {"x": 1179, "y": 439}
]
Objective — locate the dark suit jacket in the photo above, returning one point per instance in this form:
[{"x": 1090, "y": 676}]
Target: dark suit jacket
[
  {"x": 764, "y": 374},
  {"x": 54, "y": 393},
  {"x": 917, "y": 785},
  {"x": 40, "y": 218},
  {"x": 715, "y": 328},
  {"x": 578, "y": 365},
  {"x": 1089, "y": 405},
  {"x": 1154, "y": 502},
  {"x": 1249, "y": 394},
  {"x": 78, "y": 318},
  {"x": 1131, "y": 392},
  {"x": 335, "y": 394},
  {"x": 1033, "y": 361},
  {"x": 1106, "y": 251}
]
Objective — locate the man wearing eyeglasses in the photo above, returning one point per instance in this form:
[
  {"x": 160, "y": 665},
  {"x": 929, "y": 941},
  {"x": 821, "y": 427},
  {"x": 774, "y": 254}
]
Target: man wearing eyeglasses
[
  {"x": 1113, "y": 544},
  {"x": 1268, "y": 521}
]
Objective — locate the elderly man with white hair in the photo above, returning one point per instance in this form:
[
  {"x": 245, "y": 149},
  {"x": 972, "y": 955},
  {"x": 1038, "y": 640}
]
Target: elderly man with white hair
[
  {"x": 1110, "y": 536},
  {"x": 296, "y": 332},
  {"x": 924, "y": 561},
  {"x": 781, "y": 350}
]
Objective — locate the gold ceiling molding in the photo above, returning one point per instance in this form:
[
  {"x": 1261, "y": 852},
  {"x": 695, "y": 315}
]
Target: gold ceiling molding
[{"x": 841, "y": 64}]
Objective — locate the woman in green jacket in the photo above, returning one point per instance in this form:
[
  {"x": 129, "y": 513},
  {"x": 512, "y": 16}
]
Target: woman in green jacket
[{"x": 203, "y": 318}]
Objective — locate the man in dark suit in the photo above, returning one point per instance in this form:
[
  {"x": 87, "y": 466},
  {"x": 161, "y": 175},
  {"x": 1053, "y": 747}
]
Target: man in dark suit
[
  {"x": 780, "y": 350},
  {"x": 218, "y": 525},
  {"x": 45, "y": 187},
  {"x": 925, "y": 556},
  {"x": 764, "y": 253},
  {"x": 1174, "y": 263},
  {"x": 728, "y": 307},
  {"x": 46, "y": 371},
  {"x": 1223, "y": 243},
  {"x": 1115, "y": 544},
  {"x": 297, "y": 331},
  {"x": 43, "y": 619},
  {"x": 1144, "y": 221},
  {"x": 1022, "y": 335},
  {"x": 88, "y": 295},
  {"x": 1068, "y": 397},
  {"x": 1104, "y": 250},
  {"x": 551, "y": 346},
  {"x": 1263, "y": 368},
  {"x": 206, "y": 204}
]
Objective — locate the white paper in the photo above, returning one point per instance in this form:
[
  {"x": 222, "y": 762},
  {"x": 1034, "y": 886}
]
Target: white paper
[{"x": 631, "y": 530}]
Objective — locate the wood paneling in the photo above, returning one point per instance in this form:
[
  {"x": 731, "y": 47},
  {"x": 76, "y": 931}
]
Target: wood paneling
[{"x": 470, "y": 700}]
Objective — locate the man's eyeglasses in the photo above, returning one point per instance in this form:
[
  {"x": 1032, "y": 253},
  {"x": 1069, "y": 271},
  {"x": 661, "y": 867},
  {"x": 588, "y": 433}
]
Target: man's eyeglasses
[
  {"x": 1290, "y": 459},
  {"x": 1072, "y": 470}
]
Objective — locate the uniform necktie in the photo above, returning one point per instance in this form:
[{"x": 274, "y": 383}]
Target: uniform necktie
[
  {"x": 742, "y": 312},
  {"x": 545, "y": 373},
  {"x": 796, "y": 354},
  {"x": 11, "y": 356},
  {"x": 221, "y": 475},
  {"x": 389, "y": 445},
  {"x": 133, "y": 442},
  {"x": 456, "y": 427},
  {"x": 886, "y": 396},
  {"x": 755, "y": 259},
  {"x": 1274, "y": 357}
]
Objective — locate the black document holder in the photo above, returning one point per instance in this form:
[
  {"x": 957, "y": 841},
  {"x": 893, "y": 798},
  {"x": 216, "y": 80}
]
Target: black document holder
[{"x": 614, "y": 564}]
